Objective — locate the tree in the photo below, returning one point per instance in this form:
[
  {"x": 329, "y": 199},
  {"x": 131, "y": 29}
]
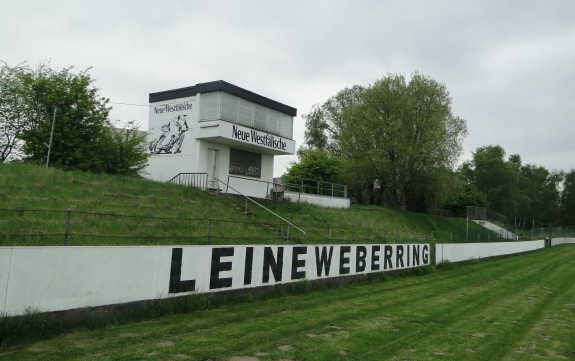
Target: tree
[
  {"x": 123, "y": 150},
  {"x": 80, "y": 122},
  {"x": 83, "y": 137},
  {"x": 12, "y": 110},
  {"x": 401, "y": 133},
  {"x": 567, "y": 200},
  {"x": 539, "y": 200},
  {"x": 496, "y": 178},
  {"x": 315, "y": 165}
]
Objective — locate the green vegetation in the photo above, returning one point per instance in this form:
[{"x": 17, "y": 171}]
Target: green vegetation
[
  {"x": 58, "y": 117},
  {"x": 513, "y": 308},
  {"x": 401, "y": 132},
  {"x": 119, "y": 210}
]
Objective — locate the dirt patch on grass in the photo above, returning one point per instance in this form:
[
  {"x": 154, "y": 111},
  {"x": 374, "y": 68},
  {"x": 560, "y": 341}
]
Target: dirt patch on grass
[
  {"x": 165, "y": 344},
  {"x": 129, "y": 334},
  {"x": 285, "y": 348},
  {"x": 244, "y": 358},
  {"x": 182, "y": 356}
]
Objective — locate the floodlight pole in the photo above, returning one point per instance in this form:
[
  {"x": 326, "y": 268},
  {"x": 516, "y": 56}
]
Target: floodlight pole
[{"x": 51, "y": 135}]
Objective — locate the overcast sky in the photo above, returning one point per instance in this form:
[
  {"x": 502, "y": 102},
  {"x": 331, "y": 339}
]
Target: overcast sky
[{"x": 508, "y": 65}]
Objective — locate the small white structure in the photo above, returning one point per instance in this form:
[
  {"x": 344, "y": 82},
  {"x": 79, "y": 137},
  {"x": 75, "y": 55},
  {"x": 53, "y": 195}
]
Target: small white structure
[{"x": 218, "y": 131}]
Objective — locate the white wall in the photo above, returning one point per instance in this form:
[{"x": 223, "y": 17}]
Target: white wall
[
  {"x": 563, "y": 240},
  {"x": 62, "y": 278},
  {"x": 457, "y": 252},
  {"x": 323, "y": 201}
]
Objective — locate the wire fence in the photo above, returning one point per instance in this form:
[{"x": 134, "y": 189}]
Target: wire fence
[{"x": 39, "y": 227}]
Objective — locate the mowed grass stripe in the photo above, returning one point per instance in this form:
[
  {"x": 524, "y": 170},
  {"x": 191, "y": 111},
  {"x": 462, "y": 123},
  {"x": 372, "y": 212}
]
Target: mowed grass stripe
[
  {"x": 511, "y": 308},
  {"x": 449, "y": 311}
]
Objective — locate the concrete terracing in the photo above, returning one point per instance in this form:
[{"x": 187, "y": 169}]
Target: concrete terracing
[{"x": 502, "y": 232}]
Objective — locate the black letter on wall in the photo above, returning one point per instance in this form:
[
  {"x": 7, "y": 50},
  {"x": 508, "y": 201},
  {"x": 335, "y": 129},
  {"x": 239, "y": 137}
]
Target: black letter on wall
[
  {"x": 360, "y": 254},
  {"x": 374, "y": 258},
  {"x": 323, "y": 261},
  {"x": 248, "y": 268},
  {"x": 387, "y": 253},
  {"x": 416, "y": 254},
  {"x": 271, "y": 263},
  {"x": 176, "y": 284},
  {"x": 343, "y": 260},
  {"x": 297, "y": 263},
  {"x": 219, "y": 266},
  {"x": 399, "y": 256}
]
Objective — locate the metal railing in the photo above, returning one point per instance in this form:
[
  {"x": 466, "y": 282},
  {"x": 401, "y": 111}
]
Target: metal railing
[
  {"x": 311, "y": 186},
  {"x": 258, "y": 204},
  {"x": 197, "y": 180}
]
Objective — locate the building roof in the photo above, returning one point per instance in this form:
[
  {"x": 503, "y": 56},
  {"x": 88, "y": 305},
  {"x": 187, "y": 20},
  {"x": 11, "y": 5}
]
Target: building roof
[{"x": 221, "y": 85}]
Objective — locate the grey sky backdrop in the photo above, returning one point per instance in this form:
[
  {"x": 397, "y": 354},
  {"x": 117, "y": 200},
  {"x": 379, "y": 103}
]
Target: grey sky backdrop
[{"x": 508, "y": 65}]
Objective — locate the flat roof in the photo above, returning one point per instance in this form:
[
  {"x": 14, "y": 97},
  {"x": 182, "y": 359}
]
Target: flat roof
[{"x": 220, "y": 85}]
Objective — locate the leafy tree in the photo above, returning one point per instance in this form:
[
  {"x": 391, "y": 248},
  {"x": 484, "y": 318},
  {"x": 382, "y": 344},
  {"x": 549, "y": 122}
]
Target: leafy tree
[
  {"x": 315, "y": 165},
  {"x": 496, "y": 178},
  {"x": 12, "y": 110},
  {"x": 401, "y": 133},
  {"x": 567, "y": 200},
  {"x": 523, "y": 193},
  {"x": 83, "y": 137},
  {"x": 123, "y": 151},
  {"x": 539, "y": 199}
]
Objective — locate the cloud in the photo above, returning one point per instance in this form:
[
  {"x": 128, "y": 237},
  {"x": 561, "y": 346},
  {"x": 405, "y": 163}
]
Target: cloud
[{"x": 507, "y": 65}]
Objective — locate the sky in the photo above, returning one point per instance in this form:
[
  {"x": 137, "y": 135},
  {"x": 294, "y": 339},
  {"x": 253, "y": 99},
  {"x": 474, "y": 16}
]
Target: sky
[{"x": 509, "y": 66}]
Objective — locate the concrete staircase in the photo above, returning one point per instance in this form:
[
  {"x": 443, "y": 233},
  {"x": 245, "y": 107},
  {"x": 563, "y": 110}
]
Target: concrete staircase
[{"x": 502, "y": 232}]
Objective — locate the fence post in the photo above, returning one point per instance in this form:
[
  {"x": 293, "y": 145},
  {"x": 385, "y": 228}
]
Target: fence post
[
  {"x": 67, "y": 231},
  {"x": 282, "y": 233},
  {"x": 209, "y": 228}
]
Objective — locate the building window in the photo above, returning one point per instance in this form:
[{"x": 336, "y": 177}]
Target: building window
[
  {"x": 228, "y": 107},
  {"x": 245, "y": 163}
]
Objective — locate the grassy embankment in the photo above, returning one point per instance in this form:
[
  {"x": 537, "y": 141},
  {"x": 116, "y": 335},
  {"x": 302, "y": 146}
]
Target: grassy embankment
[
  {"x": 514, "y": 308},
  {"x": 114, "y": 210}
]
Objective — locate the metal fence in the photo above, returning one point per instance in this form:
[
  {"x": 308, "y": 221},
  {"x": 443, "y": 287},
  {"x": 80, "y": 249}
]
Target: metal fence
[
  {"x": 311, "y": 186},
  {"x": 37, "y": 227},
  {"x": 197, "y": 180}
]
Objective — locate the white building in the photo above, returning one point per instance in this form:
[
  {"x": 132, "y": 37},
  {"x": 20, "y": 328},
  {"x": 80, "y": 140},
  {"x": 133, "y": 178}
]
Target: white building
[{"x": 216, "y": 135}]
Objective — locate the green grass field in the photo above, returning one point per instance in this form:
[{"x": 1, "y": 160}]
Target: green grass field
[
  {"x": 512, "y": 308},
  {"x": 114, "y": 210}
]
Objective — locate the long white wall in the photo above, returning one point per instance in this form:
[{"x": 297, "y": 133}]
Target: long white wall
[
  {"x": 62, "y": 278},
  {"x": 323, "y": 201},
  {"x": 457, "y": 252},
  {"x": 562, "y": 240}
]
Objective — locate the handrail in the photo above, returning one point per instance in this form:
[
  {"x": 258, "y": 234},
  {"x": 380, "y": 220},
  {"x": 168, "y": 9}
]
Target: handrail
[
  {"x": 280, "y": 217},
  {"x": 198, "y": 180},
  {"x": 314, "y": 186}
]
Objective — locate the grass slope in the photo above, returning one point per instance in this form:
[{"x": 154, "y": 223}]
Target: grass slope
[
  {"x": 113, "y": 210},
  {"x": 514, "y": 308}
]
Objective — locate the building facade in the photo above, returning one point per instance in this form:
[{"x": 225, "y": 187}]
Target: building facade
[{"x": 221, "y": 132}]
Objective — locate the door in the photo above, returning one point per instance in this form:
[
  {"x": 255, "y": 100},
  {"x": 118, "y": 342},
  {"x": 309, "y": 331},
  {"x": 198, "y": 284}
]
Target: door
[{"x": 213, "y": 168}]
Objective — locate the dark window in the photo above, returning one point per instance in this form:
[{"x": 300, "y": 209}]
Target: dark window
[{"x": 245, "y": 163}]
